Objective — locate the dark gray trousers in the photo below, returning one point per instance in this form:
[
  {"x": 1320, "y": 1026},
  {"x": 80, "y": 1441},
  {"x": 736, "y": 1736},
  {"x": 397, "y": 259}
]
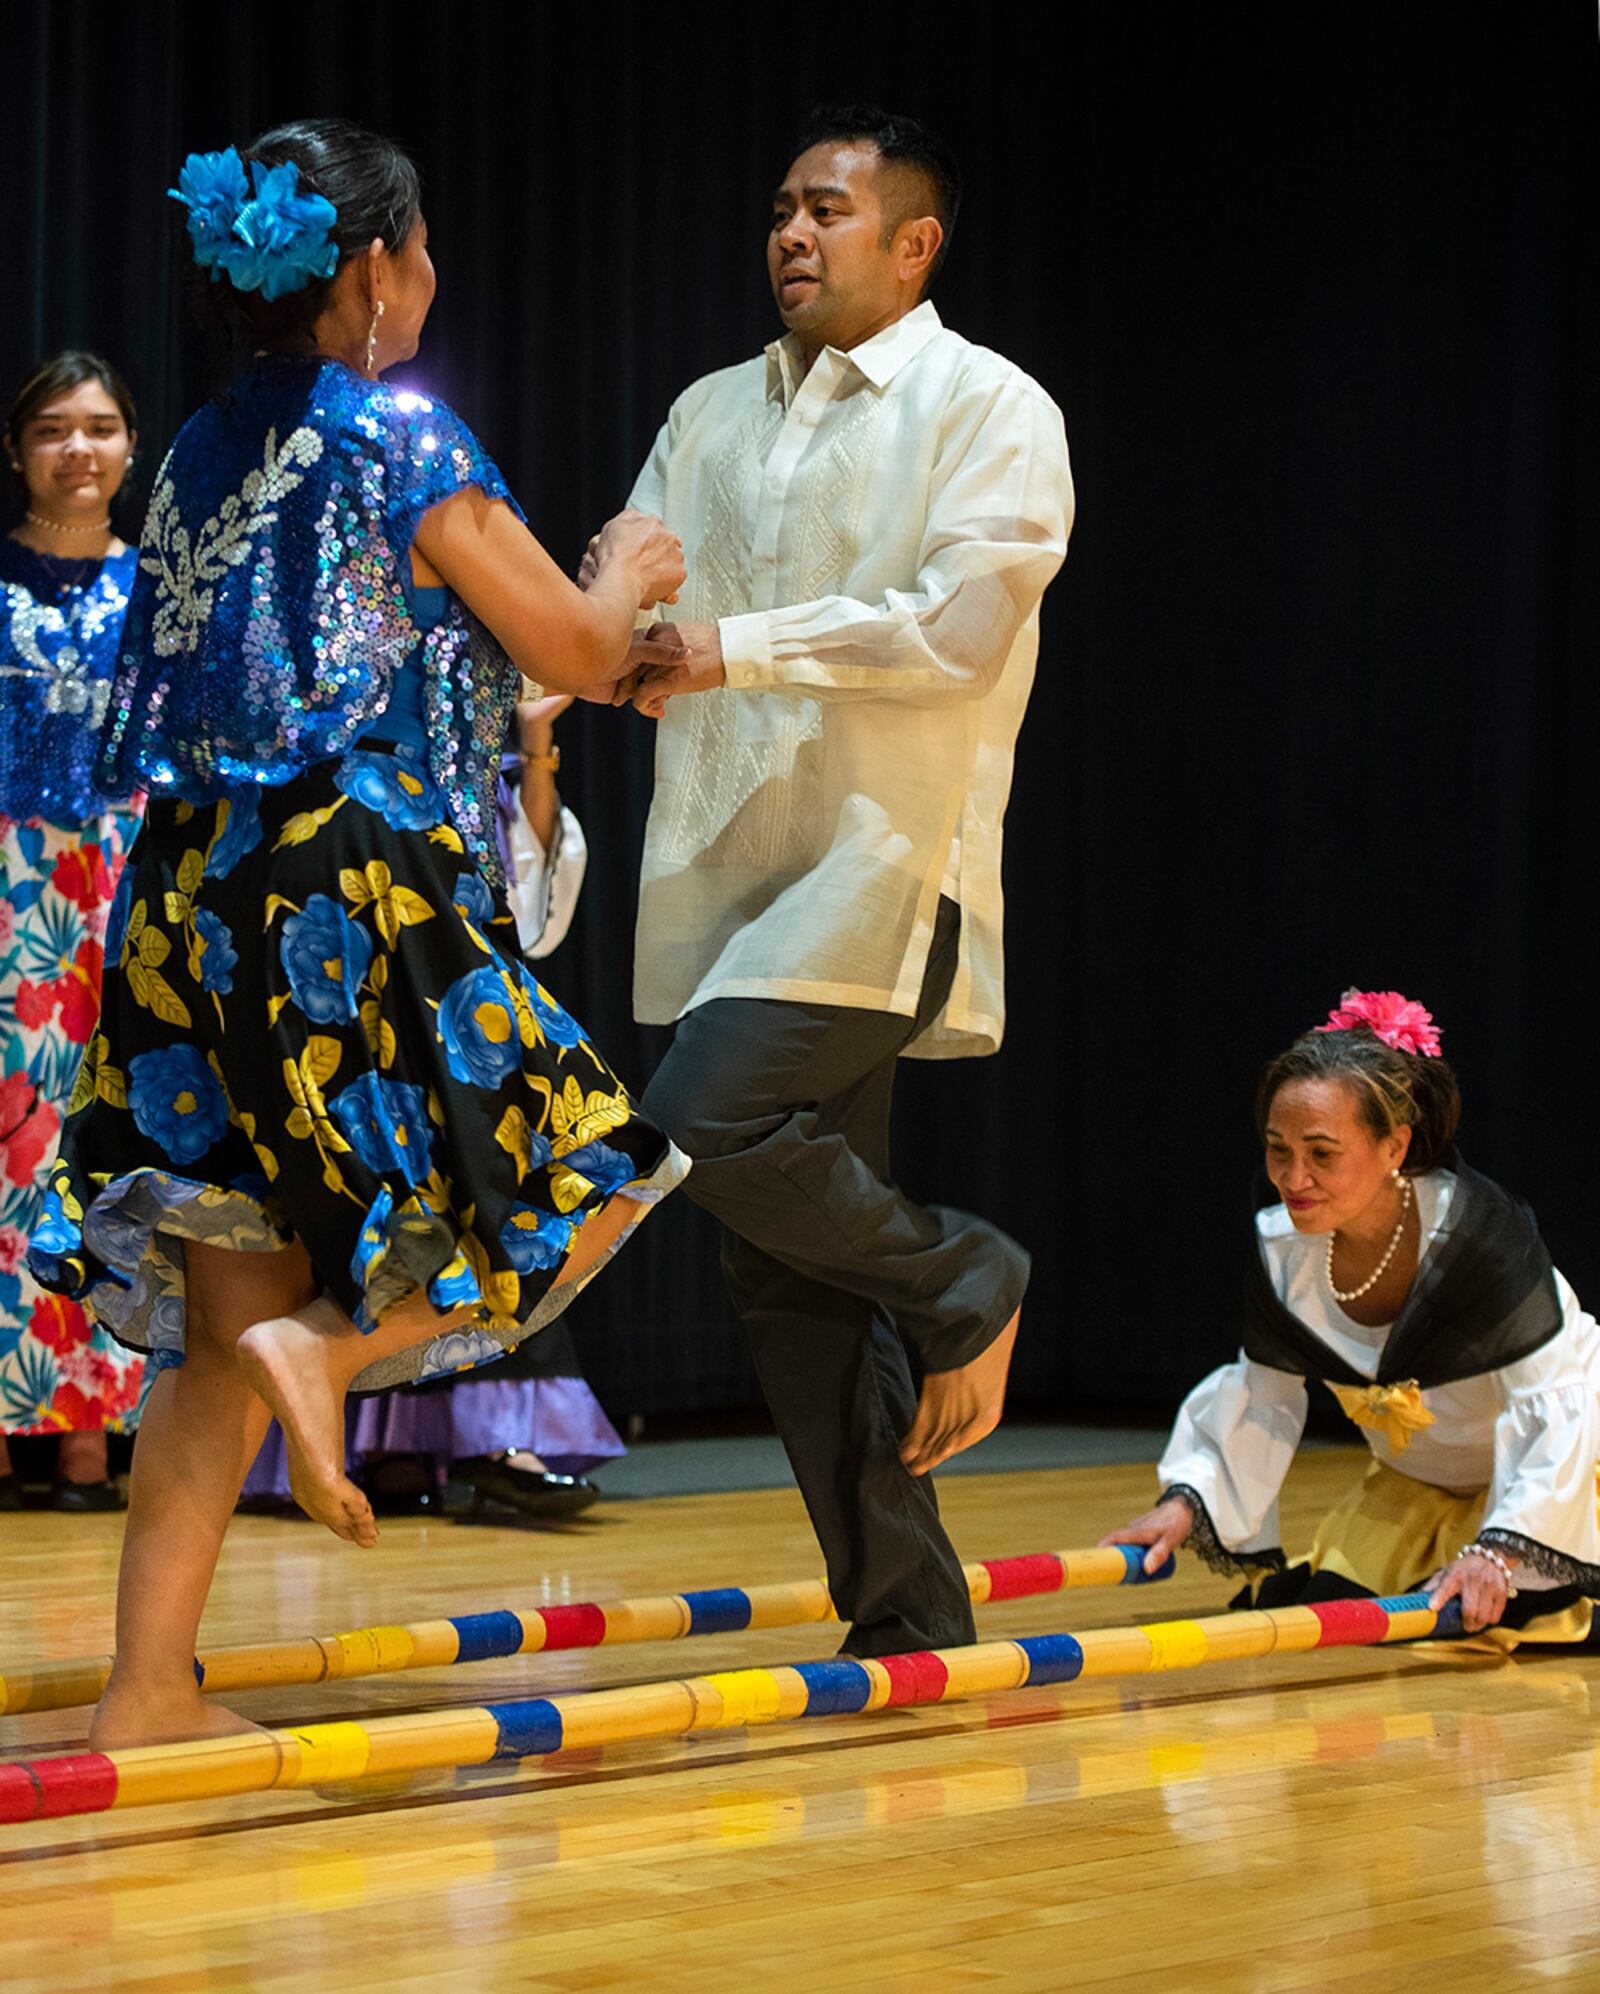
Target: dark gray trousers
[{"x": 835, "y": 1272}]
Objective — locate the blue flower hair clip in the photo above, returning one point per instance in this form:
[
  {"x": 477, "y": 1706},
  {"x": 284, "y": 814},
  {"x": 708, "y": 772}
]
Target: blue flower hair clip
[{"x": 262, "y": 234}]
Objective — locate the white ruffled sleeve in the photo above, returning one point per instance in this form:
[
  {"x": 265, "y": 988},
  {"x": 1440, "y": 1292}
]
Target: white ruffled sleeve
[
  {"x": 1541, "y": 1502},
  {"x": 1230, "y": 1448},
  {"x": 543, "y": 887}
]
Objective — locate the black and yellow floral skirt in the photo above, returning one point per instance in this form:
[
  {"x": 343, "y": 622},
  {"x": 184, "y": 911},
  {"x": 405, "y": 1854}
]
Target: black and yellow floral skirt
[{"x": 320, "y": 1029}]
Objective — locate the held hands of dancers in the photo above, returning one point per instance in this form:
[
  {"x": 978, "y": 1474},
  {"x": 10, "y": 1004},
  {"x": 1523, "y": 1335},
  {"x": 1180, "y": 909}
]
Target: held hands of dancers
[
  {"x": 1482, "y": 1580},
  {"x": 644, "y": 546},
  {"x": 659, "y": 645},
  {"x": 1163, "y": 1529},
  {"x": 699, "y": 667}
]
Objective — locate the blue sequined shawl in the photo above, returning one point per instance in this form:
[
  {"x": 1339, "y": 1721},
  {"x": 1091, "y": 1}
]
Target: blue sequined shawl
[
  {"x": 273, "y": 603},
  {"x": 60, "y": 622}
]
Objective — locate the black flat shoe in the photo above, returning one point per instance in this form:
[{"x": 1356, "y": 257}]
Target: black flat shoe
[
  {"x": 86, "y": 1498},
  {"x": 10, "y": 1492},
  {"x": 496, "y": 1485}
]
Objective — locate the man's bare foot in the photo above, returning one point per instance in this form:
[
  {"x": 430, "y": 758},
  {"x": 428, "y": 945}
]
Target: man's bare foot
[
  {"x": 133, "y": 1715},
  {"x": 290, "y": 1361},
  {"x": 959, "y": 1408}
]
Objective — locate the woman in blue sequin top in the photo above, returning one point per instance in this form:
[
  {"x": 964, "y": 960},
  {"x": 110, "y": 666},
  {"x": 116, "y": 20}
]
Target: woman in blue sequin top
[
  {"x": 333, "y": 1133},
  {"x": 64, "y": 582}
]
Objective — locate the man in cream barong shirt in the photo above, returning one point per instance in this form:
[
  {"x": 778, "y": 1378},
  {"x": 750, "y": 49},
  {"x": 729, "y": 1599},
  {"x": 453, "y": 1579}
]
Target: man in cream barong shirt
[{"x": 870, "y": 513}]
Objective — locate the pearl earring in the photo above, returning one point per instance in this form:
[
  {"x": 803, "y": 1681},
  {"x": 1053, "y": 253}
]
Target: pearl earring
[{"x": 372, "y": 339}]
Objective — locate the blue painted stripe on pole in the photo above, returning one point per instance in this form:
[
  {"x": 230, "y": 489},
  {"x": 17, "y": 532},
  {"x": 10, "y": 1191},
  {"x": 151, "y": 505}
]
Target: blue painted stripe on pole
[
  {"x": 1133, "y": 1557},
  {"x": 526, "y": 1729},
  {"x": 483, "y": 1636},
  {"x": 722, "y": 1610},
  {"x": 1052, "y": 1657},
  {"x": 199, "y": 1671},
  {"x": 1447, "y": 1622},
  {"x": 834, "y": 1688}
]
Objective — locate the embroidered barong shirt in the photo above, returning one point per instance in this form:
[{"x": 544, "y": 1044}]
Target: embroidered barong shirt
[{"x": 872, "y": 537}]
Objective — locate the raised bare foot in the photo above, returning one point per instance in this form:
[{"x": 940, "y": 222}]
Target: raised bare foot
[
  {"x": 959, "y": 1408},
  {"x": 291, "y": 1362},
  {"x": 173, "y": 1715}
]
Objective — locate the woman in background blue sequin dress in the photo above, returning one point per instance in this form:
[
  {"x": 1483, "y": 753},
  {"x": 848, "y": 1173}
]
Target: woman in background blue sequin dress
[
  {"x": 333, "y": 1133},
  {"x": 64, "y": 582}
]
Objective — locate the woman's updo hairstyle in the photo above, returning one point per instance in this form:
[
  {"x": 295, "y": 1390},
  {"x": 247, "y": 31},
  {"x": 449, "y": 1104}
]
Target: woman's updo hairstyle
[
  {"x": 1392, "y": 1089},
  {"x": 371, "y": 182}
]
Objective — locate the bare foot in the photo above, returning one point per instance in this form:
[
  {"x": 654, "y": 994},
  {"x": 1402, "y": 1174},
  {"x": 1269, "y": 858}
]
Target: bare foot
[
  {"x": 289, "y": 1361},
  {"x": 174, "y": 1715},
  {"x": 959, "y": 1408}
]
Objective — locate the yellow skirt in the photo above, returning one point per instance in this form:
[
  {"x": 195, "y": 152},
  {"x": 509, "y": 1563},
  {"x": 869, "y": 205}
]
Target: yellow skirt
[{"x": 1391, "y": 1534}]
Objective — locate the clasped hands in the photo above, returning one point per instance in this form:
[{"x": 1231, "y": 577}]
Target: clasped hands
[{"x": 664, "y": 659}]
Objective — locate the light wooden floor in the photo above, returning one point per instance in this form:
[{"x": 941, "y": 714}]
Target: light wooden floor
[{"x": 1381, "y": 1821}]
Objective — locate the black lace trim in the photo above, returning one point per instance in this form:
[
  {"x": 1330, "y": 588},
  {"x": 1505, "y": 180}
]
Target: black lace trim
[
  {"x": 1553, "y": 1565},
  {"x": 1209, "y": 1547}
]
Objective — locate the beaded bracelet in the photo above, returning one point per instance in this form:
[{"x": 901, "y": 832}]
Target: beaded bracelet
[{"x": 1477, "y": 1550}]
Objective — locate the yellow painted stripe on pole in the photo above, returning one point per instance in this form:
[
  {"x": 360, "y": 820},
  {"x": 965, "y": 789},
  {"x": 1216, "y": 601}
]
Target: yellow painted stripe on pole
[
  {"x": 979, "y": 1583},
  {"x": 1110, "y": 1651},
  {"x": 749, "y": 1696},
  {"x": 324, "y": 1754},
  {"x": 1176, "y": 1644},
  {"x": 370, "y": 1651}
]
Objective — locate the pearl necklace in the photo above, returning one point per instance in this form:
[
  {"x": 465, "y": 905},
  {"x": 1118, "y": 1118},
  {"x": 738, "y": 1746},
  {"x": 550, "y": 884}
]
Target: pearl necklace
[
  {"x": 1372, "y": 1280},
  {"x": 54, "y": 526}
]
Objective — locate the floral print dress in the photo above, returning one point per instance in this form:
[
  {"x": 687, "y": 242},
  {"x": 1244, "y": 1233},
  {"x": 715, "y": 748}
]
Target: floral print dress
[
  {"x": 62, "y": 846},
  {"x": 318, "y": 1026}
]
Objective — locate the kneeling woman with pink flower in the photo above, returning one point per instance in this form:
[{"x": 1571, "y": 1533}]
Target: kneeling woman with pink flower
[{"x": 1422, "y": 1294}]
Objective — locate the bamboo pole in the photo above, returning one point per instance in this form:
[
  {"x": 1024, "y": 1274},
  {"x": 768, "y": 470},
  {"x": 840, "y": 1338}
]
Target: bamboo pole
[
  {"x": 477, "y": 1637},
  {"x": 340, "y": 1753}
]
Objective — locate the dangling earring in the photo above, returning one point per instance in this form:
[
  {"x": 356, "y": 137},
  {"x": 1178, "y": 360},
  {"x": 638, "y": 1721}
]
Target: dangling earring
[{"x": 372, "y": 339}]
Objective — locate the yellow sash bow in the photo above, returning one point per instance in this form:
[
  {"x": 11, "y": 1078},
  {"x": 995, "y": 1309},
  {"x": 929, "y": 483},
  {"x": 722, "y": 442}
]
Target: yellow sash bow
[{"x": 1395, "y": 1411}]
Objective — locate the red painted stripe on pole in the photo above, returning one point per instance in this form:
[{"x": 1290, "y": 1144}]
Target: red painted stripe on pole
[
  {"x": 573, "y": 1626},
  {"x": 1351, "y": 1623},
  {"x": 918, "y": 1678},
  {"x": 83, "y": 1783},
  {"x": 19, "y": 1793},
  {"x": 1018, "y": 1578}
]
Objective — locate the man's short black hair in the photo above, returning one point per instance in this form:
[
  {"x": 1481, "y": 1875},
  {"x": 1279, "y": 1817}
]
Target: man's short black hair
[{"x": 900, "y": 142}]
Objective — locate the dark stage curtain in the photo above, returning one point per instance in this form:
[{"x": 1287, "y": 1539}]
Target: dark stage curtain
[{"x": 1318, "y": 699}]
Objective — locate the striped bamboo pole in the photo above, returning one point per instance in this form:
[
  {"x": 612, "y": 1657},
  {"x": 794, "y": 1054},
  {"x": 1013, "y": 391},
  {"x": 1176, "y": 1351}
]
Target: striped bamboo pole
[
  {"x": 480, "y": 1637},
  {"x": 339, "y": 1753}
]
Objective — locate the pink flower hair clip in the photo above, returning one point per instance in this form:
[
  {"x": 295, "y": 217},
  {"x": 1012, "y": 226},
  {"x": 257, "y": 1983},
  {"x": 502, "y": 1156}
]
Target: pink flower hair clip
[{"x": 1397, "y": 1020}]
